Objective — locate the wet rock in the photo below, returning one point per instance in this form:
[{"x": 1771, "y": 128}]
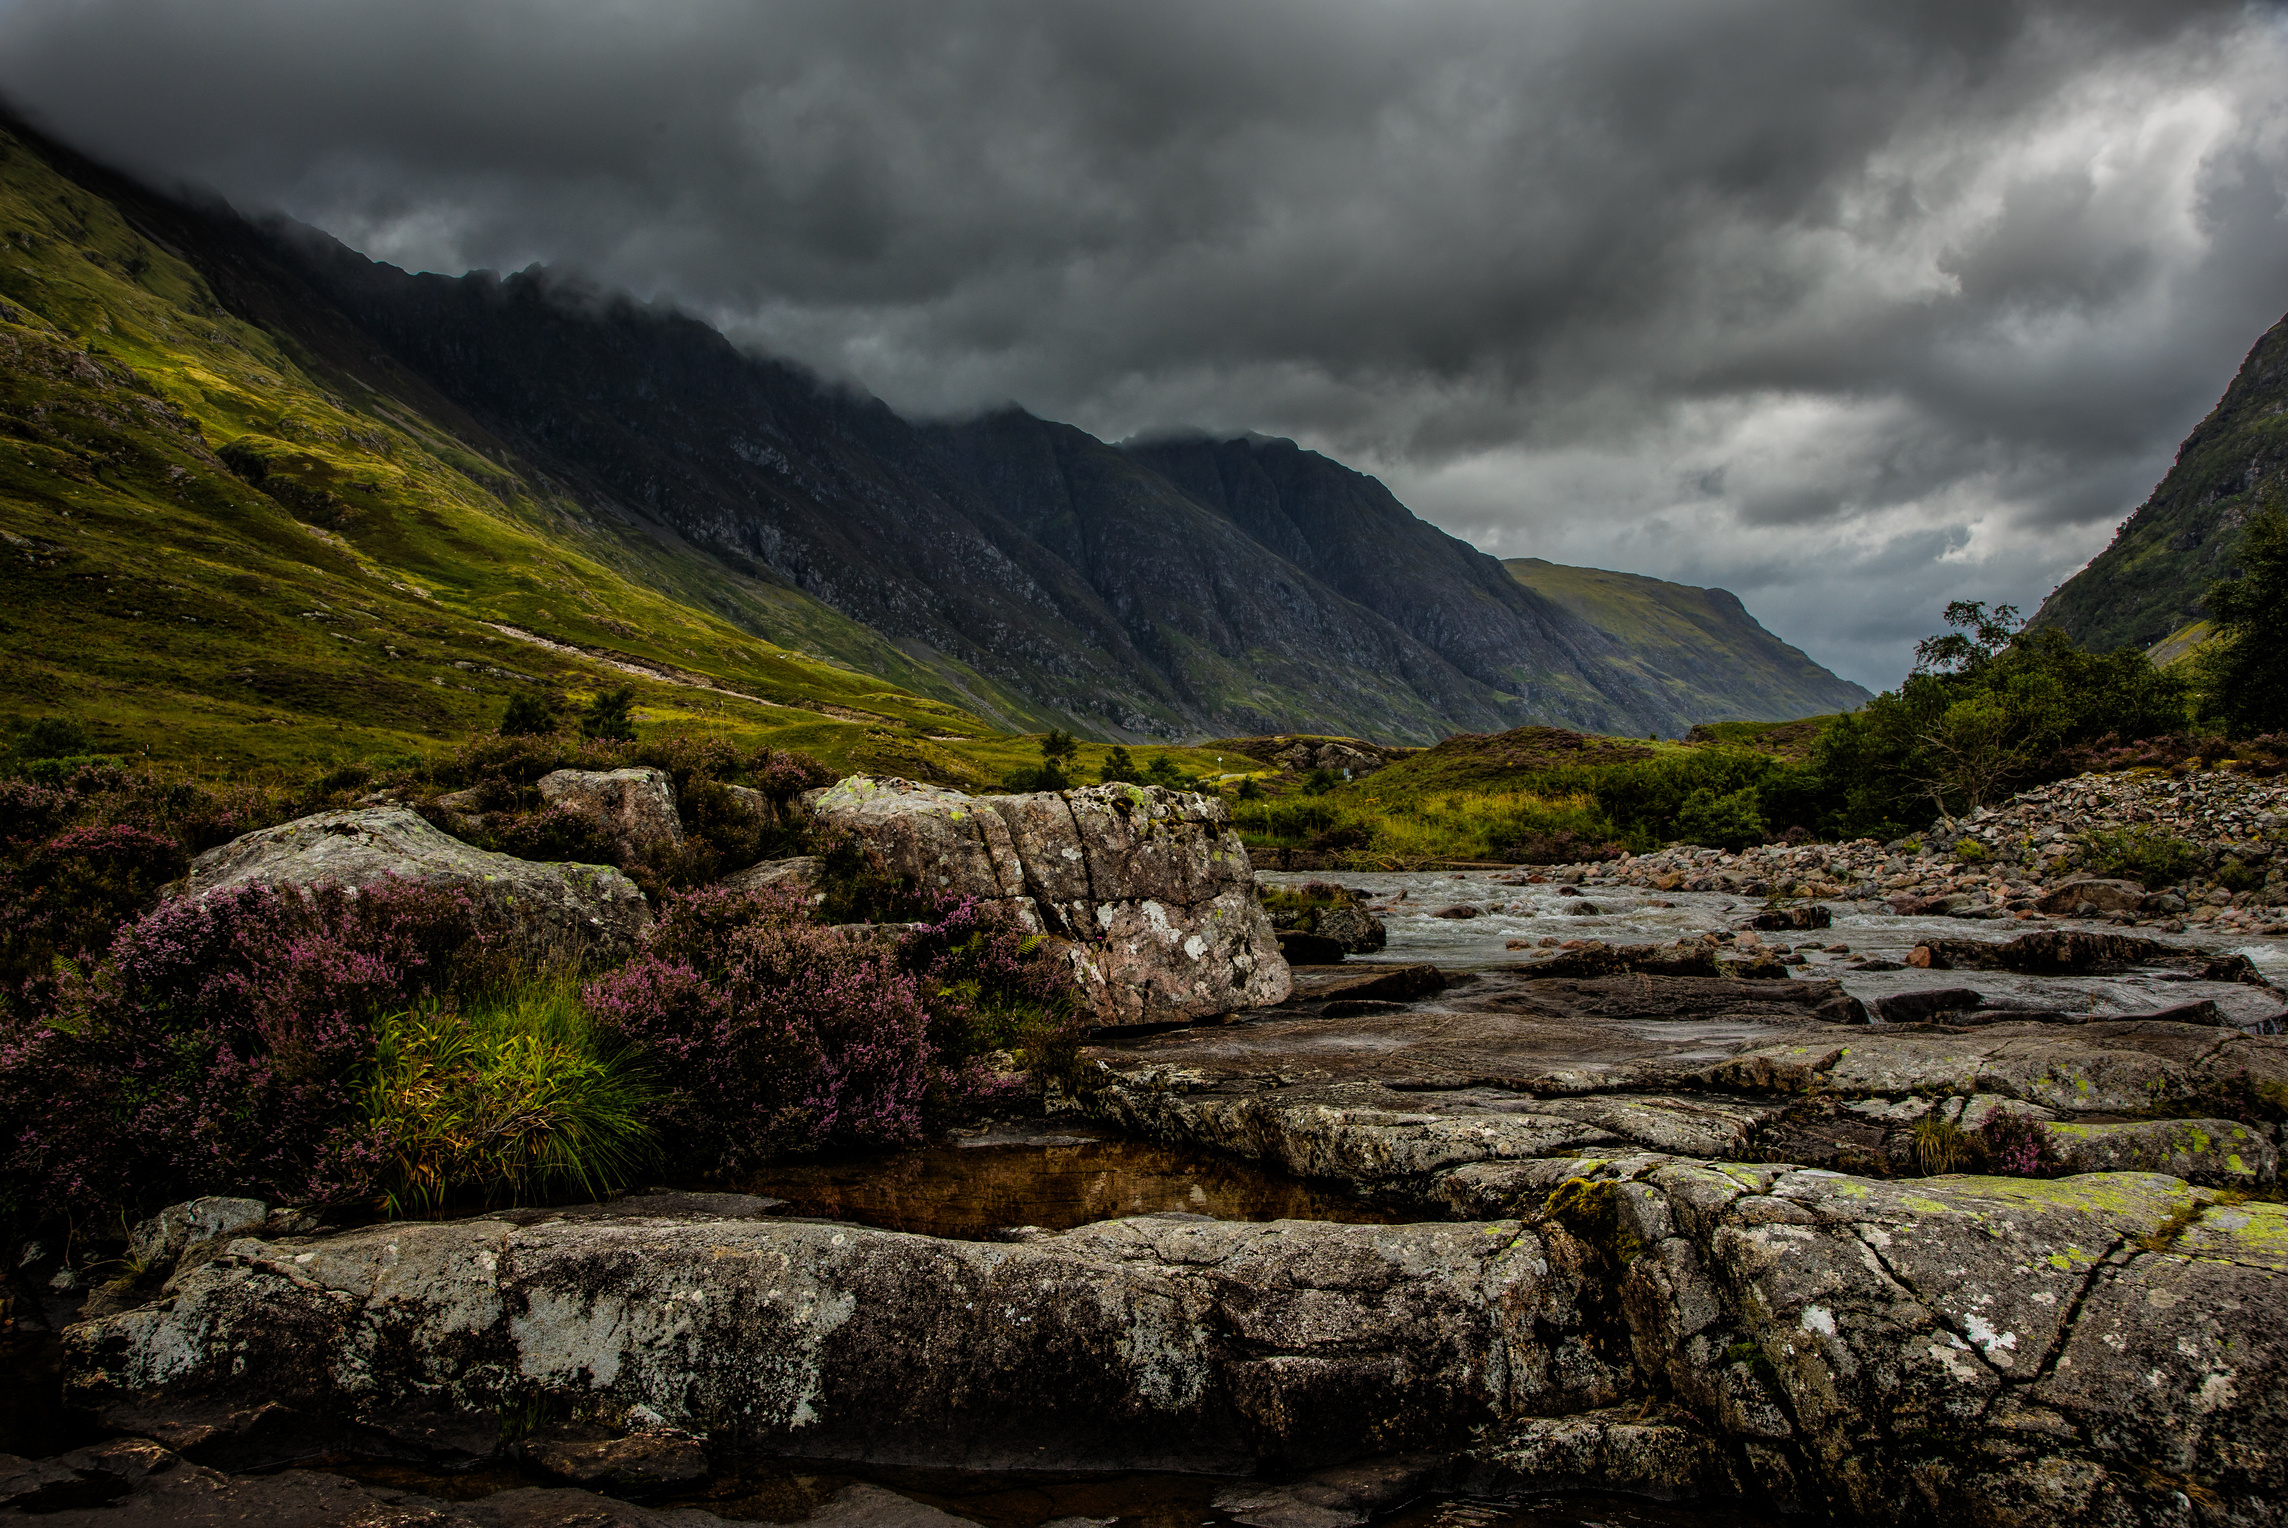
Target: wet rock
[
  {"x": 1344, "y": 1497},
  {"x": 591, "y": 911},
  {"x": 1924, "y": 1006},
  {"x": 1300, "y": 949},
  {"x": 1457, "y": 910},
  {"x": 1689, "y": 957},
  {"x": 1381, "y": 983},
  {"x": 642, "y": 1463},
  {"x": 865, "y": 1506},
  {"x": 1148, "y": 891},
  {"x": 2077, "y": 952},
  {"x": 1358, "y": 931},
  {"x": 633, "y": 809},
  {"x": 2105, "y": 897},
  {"x": 1798, "y": 918}
]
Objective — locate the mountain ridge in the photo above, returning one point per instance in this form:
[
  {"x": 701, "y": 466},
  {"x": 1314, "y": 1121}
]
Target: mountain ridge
[
  {"x": 2149, "y": 581},
  {"x": 1008, "y": 571}
]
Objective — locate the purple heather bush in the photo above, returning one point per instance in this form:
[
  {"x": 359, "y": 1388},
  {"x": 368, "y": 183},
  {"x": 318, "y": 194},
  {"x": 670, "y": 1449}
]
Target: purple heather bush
[
  {"x": 2015, "y": 1144},
  {"x": 63, "y": 898},
  {"x": 777, "y": 1035},
  {"x": 218, "y": 1047}
]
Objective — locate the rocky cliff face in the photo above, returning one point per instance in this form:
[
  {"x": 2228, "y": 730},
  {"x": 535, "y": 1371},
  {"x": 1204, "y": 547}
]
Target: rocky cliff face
[{"x": 2150, "y": 581}]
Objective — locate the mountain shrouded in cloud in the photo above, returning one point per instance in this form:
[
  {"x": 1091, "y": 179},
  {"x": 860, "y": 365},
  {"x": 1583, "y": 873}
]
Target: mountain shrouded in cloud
[{"x": 1850, "y": 308}]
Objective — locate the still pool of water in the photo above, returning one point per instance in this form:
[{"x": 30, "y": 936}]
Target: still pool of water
[
  {"x": 788, "y": 1491},
  {"x": 1053, "y": 1178}
]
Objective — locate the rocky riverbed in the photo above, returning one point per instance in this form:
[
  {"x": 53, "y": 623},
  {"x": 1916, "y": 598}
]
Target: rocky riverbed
[{"x": 1856, "y": 1208}]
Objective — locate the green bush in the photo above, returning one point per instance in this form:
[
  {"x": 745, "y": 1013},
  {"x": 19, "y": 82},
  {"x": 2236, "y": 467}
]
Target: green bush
[
  {"x": 503, "y": 1100},
  {"x": 2232, "y": 875},
  {"x": 2140, "y": 853},
  {"x": 52, "y": 737},
  {"x": 1731, "y": 822},
  {"x": 1970, "y": 851},
  {"x": 528, "y": 715}
]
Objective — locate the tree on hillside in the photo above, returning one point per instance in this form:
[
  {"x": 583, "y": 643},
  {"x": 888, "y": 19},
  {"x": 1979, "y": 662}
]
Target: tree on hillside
[
  {"x": 2244, "y": 671},
  {"x": 1989, "y": 708},
  {"x": 1119, "y": 767},
  {"x": 608, "y": 716}
]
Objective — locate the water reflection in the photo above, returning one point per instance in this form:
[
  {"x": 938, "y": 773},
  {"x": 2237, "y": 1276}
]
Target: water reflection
[{"x": 1054, "y": 1180}]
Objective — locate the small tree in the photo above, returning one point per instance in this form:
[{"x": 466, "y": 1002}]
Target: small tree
[
  {"x": 2244, "y": 671},
  {"x": 528, "y": 715},
  {"x": 1163, "y": 771},
  {"x": 1119, "y": 767},
  {"x": 607, "y": 716},
  {"x": 1974, "y": 751},
  {"x": 1979, "y": 637},
  {"x": 1059, "y": 749}
]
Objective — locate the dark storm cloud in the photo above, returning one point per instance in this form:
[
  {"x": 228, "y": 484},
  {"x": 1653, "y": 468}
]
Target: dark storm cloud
[{"x": 1851, "y": 307}]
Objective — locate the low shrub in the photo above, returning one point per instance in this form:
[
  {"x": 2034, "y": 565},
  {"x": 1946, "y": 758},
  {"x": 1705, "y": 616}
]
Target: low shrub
[
  {"x": 774, "y": 1035},
  {"x": 64, "y": 898},
  {"x": 218, "y": 1048},
  {"x": 2139, "y": 852},
  {"x": 503, "y": 1099},
  {"x": 1731, "y": 822},
  {"x": 2232, "y": 875},
  {"x": 992, "y": 987},
  {"x": 2013, "y": 1144}
]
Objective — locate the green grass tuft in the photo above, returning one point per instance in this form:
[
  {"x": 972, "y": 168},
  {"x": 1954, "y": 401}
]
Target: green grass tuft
[{"x": 504, "y": 1100}]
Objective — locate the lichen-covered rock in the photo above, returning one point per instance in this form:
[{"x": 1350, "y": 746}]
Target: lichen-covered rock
[
  {"x": 634, "y": 809},
  {"x": 2221, "y": 1152},
  {"x": 799, "y": 874},
  {"x": 579, "y": 910},
  {"x": 1147, "y": 890},
  {"x": 161, "y": 1240},
  {"x": 1173, "y": 1343}
]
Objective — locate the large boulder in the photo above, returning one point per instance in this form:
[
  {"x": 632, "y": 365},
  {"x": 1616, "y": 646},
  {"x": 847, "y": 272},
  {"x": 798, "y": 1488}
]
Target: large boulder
[
  {"x": 2107, "y": 897},
  {"x": 634, "y": 809},
  {"x": 1148, "y": 890},
  {"x": 590, "y": 911}
]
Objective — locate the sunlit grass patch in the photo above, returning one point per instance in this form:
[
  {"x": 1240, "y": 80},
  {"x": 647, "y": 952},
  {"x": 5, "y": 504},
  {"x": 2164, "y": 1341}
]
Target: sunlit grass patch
[{"x": 504, "y": 1099}]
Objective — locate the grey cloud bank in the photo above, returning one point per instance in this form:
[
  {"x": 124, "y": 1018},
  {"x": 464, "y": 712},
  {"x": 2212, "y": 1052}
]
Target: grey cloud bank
[{"x": 1849, "y": 308}]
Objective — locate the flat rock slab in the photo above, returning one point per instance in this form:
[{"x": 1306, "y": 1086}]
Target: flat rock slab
[
  {"x": 1964, "y": 1350},
  {"x": 1175, "y": 1342}
]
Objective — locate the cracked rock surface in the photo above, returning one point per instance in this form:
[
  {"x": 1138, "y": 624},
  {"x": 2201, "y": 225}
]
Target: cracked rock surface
[
  {"x": 1977, "y": 1350},
  {"x": 1148, "y": 890}
]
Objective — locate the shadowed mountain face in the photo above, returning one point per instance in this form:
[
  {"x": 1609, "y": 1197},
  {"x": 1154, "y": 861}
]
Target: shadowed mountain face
[
  {"x": 1176, "y": 588},
  {"x": 2150, "y": 581}
]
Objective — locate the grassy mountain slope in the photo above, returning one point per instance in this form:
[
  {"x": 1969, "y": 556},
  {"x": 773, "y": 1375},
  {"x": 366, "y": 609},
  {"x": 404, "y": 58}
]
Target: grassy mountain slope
[
  {"x": 1697, "y": 648},
  {"x": 214, "y": 544},
  {"x": 2148, "y": 583}
]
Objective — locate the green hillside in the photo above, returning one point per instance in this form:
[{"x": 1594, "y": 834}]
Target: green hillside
[
  {"x": 1699, "y": 648},
  {"x": 218, "y": 544},
  {"x": 2147, "y": 585}
]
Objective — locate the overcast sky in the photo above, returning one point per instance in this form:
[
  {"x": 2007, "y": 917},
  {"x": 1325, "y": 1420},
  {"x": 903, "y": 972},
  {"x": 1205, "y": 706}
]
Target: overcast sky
[{"x": 1851, "y": 308}]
